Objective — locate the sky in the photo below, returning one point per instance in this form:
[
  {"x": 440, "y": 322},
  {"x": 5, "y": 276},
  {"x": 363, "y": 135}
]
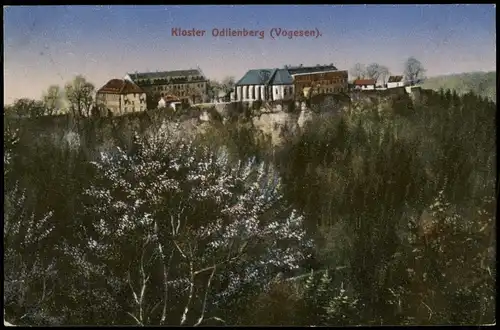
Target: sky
[{"x": 47, "y": 45}]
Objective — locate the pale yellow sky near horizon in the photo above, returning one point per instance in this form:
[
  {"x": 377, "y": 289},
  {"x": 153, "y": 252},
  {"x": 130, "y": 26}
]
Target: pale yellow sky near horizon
[{"x": 86, "y": 41}]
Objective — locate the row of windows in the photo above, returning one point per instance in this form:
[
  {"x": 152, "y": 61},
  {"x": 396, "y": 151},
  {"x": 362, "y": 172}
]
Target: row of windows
[
  {"x": 132, "y": 109},
  {"x": 323, "y": 77},
  {"x": 286, "y": 91},
  {"x": 136, "y": 95},
  {"x": 178, "y": 94},
  {"x": 115, "y": 97},
  {"x": 327, "y": 81},
  {"x": 255, "y": 93},
  {"x": 331, "y": 90},
  {"x": 133, "y": 102},
  {"x": 176, "y": 87},
  {"x": 326, "y": 84},
  {"x": 167, "y": 80}
]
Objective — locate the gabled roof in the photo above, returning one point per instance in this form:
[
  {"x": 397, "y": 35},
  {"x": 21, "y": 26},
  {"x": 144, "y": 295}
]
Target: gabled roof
[
  {"x": 266, "y": 77},
  {"x": 255, "y": 77},
  {"x": 365, "y": 82},
  {"x": 393, "y": 79},
  {"x": 120, "y": 86},
  {"x": 282, "y": 77},
  {"x": 311, "y": 69},
  {"x": 164, "y": 74}
]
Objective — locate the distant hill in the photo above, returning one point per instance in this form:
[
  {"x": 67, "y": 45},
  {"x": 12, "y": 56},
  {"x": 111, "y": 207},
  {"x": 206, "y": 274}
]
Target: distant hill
[{"x": 481, "y": 83}]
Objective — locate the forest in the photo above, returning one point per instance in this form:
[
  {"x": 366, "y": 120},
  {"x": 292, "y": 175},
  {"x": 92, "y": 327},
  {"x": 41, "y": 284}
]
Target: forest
[
  {"x": 481, "y": 83},
  {"x": 361, "y": 219}
]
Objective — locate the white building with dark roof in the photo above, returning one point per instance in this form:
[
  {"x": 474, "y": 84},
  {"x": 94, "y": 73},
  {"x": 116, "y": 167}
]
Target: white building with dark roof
[
  {"x": 395, "y": 81},
  {"x": 265, "y": 85}
]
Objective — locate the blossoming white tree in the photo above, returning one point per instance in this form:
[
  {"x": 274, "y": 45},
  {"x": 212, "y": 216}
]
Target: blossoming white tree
[
  {"x": 194, "y": 228},
  {"x": 25, "y": 232}
]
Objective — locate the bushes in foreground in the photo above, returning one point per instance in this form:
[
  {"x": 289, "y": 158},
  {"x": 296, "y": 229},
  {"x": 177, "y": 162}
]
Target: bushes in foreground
[{"x": 360, "y": 220}]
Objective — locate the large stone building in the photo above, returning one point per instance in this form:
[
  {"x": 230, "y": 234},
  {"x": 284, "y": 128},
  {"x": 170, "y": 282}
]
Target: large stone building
[
  {"x": 320, "y": 79},
  {"x": 187, "y": 85},
  {"x": 264, "y": 85},
  {"x": 120, "y": 96}
]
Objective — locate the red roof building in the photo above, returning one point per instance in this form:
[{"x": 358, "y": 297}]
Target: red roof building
[
  {"x": 120, "y": 96},
  {"x": 364, "y": 82},
  {"x": 120, "y": 86}
]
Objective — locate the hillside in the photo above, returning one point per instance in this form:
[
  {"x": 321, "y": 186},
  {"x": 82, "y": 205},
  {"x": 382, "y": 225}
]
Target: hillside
[
  {"x": 355, "y": 219},
  {"x": 482, "y": 83}
]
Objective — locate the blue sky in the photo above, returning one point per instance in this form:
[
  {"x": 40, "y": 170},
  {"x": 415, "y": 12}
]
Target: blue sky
[{"x": 46, "y": 45}]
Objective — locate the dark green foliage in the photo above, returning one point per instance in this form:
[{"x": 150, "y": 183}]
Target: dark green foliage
[
  {"x": 401, "y": 209},
  {"x": 366, "y": 177},
  {"x": 482, "y": 83},
  {"x": 256, "y": 105}
]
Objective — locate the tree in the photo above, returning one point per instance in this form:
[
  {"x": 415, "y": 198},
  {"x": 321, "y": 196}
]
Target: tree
[
  {"x": 79, "y": 93},
  {"x": 377, "y": 71},
  {"x": 358, "y": 71},
  {"x": 194, "y": 95},
  {"x": 447, "y": 273},
  {"x": 414, "y": 70},
  {"x": 53, "y": 99},
  {"x": 214, "y": 87},
  {"x": 25, "y": 107},
  {"x": 228, "y": 84},
  {"x": 198, "y": 232},
  {"x": 384, "y": 74},
  {"x": 25, "y": 232}
]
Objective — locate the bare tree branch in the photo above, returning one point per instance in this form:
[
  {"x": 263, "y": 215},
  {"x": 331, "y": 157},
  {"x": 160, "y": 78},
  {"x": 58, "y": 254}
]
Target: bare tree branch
[
  {"x": 131, "y": 288},
  {"x": 166, "y": 269},
  {"x": 430, "y": 310},
  {"x": 358, "y": 71},
  {"x": 205, "y": 297},
  {"x": 52, "y": 99},
  {"x": 414, "y": 70},
  {"x": 191, "y": 293},
  {"x": 79, "y": 93},
  {"x": 136, "y": 320},
  {"x": 179, "y": 249},
  {"x": 139, "y": 300},
  {"x": 145, "y": 280},
  {"x": 217, "y": 319}
]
